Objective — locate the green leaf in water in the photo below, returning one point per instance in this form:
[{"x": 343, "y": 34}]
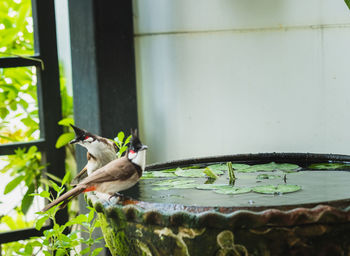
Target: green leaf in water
[
  {"x": 157, "y": 174},
  {"x": 271, "y": 167},
  {"x": 230, "y": 190},
  {"x": 223, "y": 167},
  {"x": 189, "y": 185},
  {"x": 207, "y": 171},
  {"x": 279, "y": 189},
  {"x": 161, "y": 188},
  {"x": 267, "y": 176},
  {"x": 329, "y": 166},
  {"x": 194, "y": 173},
  {"x": 212, "y": 186},
  {"x": 173, "y": 182}
]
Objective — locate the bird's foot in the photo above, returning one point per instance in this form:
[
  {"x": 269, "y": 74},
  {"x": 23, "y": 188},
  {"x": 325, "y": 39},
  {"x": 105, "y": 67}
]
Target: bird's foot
[{"x": 117, "y": 197}]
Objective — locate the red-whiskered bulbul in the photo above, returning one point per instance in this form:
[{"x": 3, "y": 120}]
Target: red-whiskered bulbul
[
  {"x": 100, "y": 151},
  {"x": 118, "y": 175}
]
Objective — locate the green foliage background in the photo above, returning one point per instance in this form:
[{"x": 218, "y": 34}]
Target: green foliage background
[{"x": 19, "y": 119}]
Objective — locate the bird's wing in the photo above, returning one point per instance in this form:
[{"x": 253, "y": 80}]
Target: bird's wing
[
  {"x": 81, "y": 174},
  {"x": 119, "y": 169}
]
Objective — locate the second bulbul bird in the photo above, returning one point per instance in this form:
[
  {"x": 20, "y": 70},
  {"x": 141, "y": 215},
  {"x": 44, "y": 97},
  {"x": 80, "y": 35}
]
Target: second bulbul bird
[{"x": 100, "y": 151}]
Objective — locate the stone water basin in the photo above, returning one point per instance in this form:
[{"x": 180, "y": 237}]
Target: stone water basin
[{"x": 279, "y": 204}]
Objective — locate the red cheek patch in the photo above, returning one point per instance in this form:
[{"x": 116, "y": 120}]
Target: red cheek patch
[
  {"x": 132, "y": 151},
  {"x": 86, "y": 137}
]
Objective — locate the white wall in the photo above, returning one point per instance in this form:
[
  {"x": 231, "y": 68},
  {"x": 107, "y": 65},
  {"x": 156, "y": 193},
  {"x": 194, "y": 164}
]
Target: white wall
[{"x": 234, "y": 76}]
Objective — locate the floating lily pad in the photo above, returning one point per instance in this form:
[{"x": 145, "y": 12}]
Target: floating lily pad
[
  {"x": 271, "y": 167},
  {"x": 223, "y": 167},
  {"x": 157, "y": 174},
  {"x": 272, "y": 189},
  {"x": 229, "y": 190},
  {"x": 172, "y": 170},
  {"x": 161, "y": 188},
  {"x": 329, "y": 166},
  {"x": 240, "y": 166},
  {"x": 173, "y": 182},
  {"x": 211, "y": 186},
  {"x": 194, "y": 173},
  {"x": 264, "y": 176}
]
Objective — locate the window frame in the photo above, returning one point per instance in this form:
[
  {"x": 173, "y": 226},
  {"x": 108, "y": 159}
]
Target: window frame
[{"x": 45, "y": 59}]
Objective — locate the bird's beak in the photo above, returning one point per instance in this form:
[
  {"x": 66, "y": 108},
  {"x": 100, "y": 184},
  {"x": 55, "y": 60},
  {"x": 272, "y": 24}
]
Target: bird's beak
[
  {"x": 73, "y": 141},
  {"x": 78, "y": 131},
  {"x": 144, "y": 147}
]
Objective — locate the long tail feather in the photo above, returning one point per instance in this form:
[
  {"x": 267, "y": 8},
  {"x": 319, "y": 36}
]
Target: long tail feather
[{"x": 66, "y": 197}]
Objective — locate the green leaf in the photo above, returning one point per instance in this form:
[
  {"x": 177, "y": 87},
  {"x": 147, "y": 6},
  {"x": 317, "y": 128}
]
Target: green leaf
[
  {"x": 3, "y": 113},
  {"x": 161, "y": 188},
  {"x": 279, "y": 189},
  {"x": 36, "y": 243},
  {"x": 55, "y": 187},
  {"x": 32, "y": 150},
  {"x": 60, "y": 252},
  {"x": 264, "y": 176},
  {"x": 157, "y": 174},
  {"x": 45, "y": 194},
  {"x": 47, "y": 253},
  {"x": 194, "y": 173},
  {"x": 223, "y": 167},
  {"x": 66, "y": 121},
  {"x": 13, "y": 184},
  {"x": 28, "y": 250},
  {"x": 271, "y": 167},
  {"x": 232, "y": 190},
  {"x": 91, "y": 215},
  {"x": 174, "y": 184},
  {"x": 65, "y": 178},
  {"x": 120, "y": 137},
  {"x": 207, "y": 171},
  {"x": 40, "y": 222},
  {"x": 329, "y": 166},
  {"x": 64, "y": 139},
  {"x": 96, "y": 251},
  {"x": 127, "y": 140},
  {"x": 212, "y": 186},
  {"x": 347, "y": 3},
  {"x": 27, "y": 199},
  {"x": 86, "y": 250},
  {"x": 77, "y": 220}
]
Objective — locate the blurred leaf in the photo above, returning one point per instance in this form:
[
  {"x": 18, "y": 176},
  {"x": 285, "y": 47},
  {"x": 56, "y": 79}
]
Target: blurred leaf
[
  {"x": 64, "y": 139},
  {"x": 86, "y": 250},
  {"x": 55, "y": 178},
  {"x": 120, "y": 137},
  {"x": 3, "y": 113},
  {"x": 55, "y": 187},
  {"x": 13, "y": 184},
  {"x": 66, "y": 121},
  {"x": 28, "y": 250},
  {"x": 65, "y": 178},
  {"x": 207, "y": 171},
  {"x": 96, "y": 251},
  {"x": 347, "y": 3},
  {"x": 91, "y": 215},
  {"x": 40, "y": 222},
  {"x": 27, "y": 199}
]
